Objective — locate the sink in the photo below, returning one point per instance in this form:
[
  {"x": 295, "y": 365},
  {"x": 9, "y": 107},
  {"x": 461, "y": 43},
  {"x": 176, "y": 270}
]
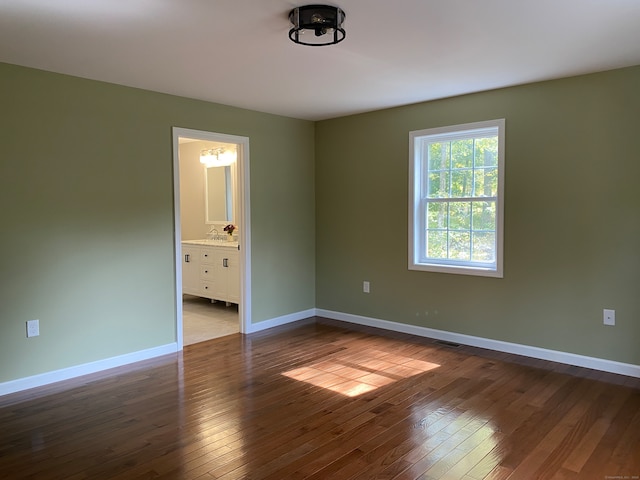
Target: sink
[{"x": 221, "y": 243}]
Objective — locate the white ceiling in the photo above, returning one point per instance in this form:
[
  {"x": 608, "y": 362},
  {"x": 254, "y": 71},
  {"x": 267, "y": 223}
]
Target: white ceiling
[{"x": 237, "y": 52}]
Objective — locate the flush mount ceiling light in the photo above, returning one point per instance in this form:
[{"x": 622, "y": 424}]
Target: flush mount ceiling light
[
  {"x": 317, "y": 25},
  {"x": 217, "y": 157}
]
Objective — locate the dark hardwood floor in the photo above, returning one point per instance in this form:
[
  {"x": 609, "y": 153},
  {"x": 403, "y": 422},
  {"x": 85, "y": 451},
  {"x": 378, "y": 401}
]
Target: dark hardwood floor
[{"x": 324, "y": 400}]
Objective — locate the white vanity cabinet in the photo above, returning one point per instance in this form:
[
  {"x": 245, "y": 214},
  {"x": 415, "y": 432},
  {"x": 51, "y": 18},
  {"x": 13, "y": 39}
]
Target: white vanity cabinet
[
  {"x": 225, "y": 284},
  {"x": 191, "y": 269},
  {"x": 211, "y": 270}
]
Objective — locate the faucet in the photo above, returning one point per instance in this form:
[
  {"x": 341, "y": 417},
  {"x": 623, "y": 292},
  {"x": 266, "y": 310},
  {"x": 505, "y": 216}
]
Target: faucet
[{"x": 213, "y": 234}]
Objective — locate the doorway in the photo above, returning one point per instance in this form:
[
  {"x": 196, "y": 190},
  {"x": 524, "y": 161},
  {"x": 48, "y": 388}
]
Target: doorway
[{"x": 211, "y": 230}]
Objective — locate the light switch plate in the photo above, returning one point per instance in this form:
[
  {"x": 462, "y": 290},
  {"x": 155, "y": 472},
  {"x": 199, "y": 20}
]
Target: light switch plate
[{"x": 33, "y": 328}]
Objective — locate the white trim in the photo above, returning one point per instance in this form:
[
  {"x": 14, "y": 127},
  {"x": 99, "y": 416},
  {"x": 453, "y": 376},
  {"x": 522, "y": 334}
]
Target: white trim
[
  {"x": 283, "y": 320},
  {"x": 498, "y": 345},
  {"x": 243, "y": 221},
  {"x": 84, "y": 369},
  {"x": 243, "y": 182},
  {"x": 416, "y": 211},
  {"x": 177, "y": 237}
]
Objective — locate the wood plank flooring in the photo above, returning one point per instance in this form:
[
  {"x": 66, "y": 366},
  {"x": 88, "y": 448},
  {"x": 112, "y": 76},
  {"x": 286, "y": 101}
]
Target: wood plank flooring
[{"x": 325, "y": 400}]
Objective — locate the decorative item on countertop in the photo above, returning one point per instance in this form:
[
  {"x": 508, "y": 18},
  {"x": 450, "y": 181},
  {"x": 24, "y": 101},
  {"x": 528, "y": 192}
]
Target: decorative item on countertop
[{"x": 229, "y": 229}]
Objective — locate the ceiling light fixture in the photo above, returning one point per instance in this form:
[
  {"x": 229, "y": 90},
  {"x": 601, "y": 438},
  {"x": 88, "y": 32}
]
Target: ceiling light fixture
[
  {"x": 324, "y": 20},
  {"x": 217, "y": 157}
]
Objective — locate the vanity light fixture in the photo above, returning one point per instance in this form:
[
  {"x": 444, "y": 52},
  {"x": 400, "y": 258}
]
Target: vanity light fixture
[
  {"x": 324, "y": 21},
  {"x": 217, "y": 157}
]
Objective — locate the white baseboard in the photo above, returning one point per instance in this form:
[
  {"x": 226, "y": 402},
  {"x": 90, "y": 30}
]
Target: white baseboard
[
  {"x": 498, "y": 345},
  {"x": 93, "y": 367},
  {"x": 283, "y": 320},
  {"x": 84, "y": 369}
]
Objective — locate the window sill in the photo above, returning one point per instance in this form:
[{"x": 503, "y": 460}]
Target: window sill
[{"x": 457, "y": 270}]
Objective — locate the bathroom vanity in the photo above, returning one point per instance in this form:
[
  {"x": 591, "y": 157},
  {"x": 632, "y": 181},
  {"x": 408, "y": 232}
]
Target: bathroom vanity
[{"x": 211, "y": 270}]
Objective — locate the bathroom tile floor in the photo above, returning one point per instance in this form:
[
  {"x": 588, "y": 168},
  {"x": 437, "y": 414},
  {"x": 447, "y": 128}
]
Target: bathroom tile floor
[{"x": 203, "y": 320}]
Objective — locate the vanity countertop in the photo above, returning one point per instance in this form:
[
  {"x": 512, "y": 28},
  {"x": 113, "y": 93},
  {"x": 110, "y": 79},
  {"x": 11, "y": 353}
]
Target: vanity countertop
[{"x": 215, "y": 243}]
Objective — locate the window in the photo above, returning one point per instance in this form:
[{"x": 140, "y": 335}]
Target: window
[{"x": 456, "y": 204}]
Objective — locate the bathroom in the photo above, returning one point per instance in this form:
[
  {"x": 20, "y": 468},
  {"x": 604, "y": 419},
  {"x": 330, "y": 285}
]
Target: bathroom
[{"x": 209, "y": 234}]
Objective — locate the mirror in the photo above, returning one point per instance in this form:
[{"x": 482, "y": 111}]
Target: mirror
[{"x": 218, "y": 194}]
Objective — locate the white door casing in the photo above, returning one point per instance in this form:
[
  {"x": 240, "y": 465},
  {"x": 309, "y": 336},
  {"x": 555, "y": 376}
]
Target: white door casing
[{"x": 243, "y": 221}]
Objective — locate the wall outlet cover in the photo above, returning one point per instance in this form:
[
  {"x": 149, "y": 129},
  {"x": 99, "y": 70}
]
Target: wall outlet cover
[{"x": 609, "y": 317}]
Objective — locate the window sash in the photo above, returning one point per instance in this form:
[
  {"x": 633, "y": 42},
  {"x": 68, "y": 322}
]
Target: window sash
[
  {"x": 472, "y": 231},
  {"x": 482, "y": 168}
]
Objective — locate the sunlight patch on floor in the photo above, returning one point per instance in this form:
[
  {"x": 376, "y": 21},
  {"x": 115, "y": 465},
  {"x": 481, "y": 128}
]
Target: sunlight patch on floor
[{"x": 353, "y": 374}]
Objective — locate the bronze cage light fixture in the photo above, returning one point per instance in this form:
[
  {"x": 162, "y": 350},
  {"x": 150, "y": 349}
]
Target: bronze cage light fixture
[{"x": 324, "y": 21}]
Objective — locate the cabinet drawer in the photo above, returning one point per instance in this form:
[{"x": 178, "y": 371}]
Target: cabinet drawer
[
  {"x": 207, "y": 256},
  {"x": 208, "y": 289},
  {"x": 207, "y": 272}
]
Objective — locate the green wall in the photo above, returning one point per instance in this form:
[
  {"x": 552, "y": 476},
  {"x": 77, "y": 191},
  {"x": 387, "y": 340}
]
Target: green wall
[
  {"x": 87, "y": 217},
  {"x": 86, "y": 191},
  {"x": 572, "y": 221}
]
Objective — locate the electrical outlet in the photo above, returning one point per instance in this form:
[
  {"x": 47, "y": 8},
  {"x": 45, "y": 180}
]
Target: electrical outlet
[
  {"x": 366, "y": 287},
  {"x": 609, "y": 317},
  {"x": 33, "y": 328}
]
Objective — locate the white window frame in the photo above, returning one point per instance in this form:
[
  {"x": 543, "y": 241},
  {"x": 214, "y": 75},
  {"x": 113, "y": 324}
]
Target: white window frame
[{"x": 417, "y": 227}]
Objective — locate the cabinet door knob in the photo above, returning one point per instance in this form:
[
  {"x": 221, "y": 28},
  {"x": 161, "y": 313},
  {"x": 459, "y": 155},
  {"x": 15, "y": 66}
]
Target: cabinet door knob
[
  {"x": 225, "y": 262},
  {"x": 186, "y": 258}
]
